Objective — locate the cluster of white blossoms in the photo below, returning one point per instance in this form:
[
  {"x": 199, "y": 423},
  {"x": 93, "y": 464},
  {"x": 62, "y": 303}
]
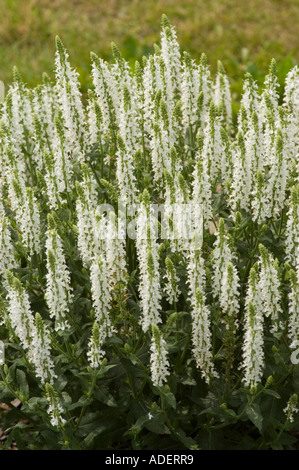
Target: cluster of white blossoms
[
  {"x": 32, "y": 332},
  {"x": 253, "y": 346},
  {"x": 55, "y": 408},
  {"x": 158, "y": 359},
  {"x": 58, "y": 293},
  {"x": 7, "y": 252},
  {"x": 150, "y": 287},
  {"x": 162, "y": 134}
]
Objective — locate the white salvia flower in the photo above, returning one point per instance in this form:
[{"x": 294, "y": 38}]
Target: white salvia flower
[
  {"x": 138, "y": 97},
  {"x": 87, "y": 218},
  {"x": 101, "y": 295},
  {"x": 253, "y": 291},
  {"x": 292, "y": 228},
  {"x": 153, "y": 85},
  {"x": 269, "y": 285},
  {"x": 120, "y": 76},
  {"x": 40, "y": 351},
  {"x": 4, "y": 314},
  {"x": 150, "y": 289},
  {"x": 190, "y": 94},
  {"x": 2, "y": 209},
  {"x": 62, "y": 158},
  {"x": 253, "y": 140},
  {"x": 48, "y": 107},
  {"x": 250, "y": 129},
  {"x": 95, "y": 351},
  {"x": 270, "y": 95},
  {"x": 29, "y": 223},
  {"x": 291, "y": 408},
  {"x": 278, "y": 177},
  {"x": 16, "y": 189},
  {"x": 195, "y": 271},
  {"x": 55, "y": 408},
  {"x": 137, "y": 89},
  {"x": 160, "y": 149},
  {"x": 253, "y": 343},
  {"x": 148, "y": 257},
  {"x": 86, "y": 225},
  {"x": 221, "y": 255},
  {"x": 16, "y": 181},
  {"x": 17, "y": 111},
  {"x": 226, "y": 159},
  {"x": 129, "y": 129},
  {"x": 7, "y": 116},
  {"x": 201, "y": 190},
  {"x": 158, "y": 359},
  {"x": 101, "y": 231},
  {"x": 243, "y": 121},
  {"x": 269, "y": 131},
  {"x": 85, "y": 240},
  {"x": 171, "y": 56},
  {"x": 229, "y": 295},
  {"x": 250, "y": 97},
  {"x": 108, "y": 277},
  {"x": 230, "y": 306},
  {"x": 54, "y": 185},
  {"x": 102, "y": 80},
  {"x": 41, "y": 144},
  {"x": 241, "y": 183},
  {"x": 125, "y": 173},
  {"x": 205, "y": 87},
  {"x": 20, "y": 314},
  {"x": 69, "y": 97},
  {"x": 175, "y": 129},
  {"x": 165, "y": 131},
  {"x": 44, "y": 106},
  {"x": 291, "y": 103},
  {"x": 7, "y": 252},
  {"x": 116, "y": 253},
  {"x": 287, "y": 129},
  {"x": 97, "y": 131},
  {"x": 201, "y": 336},
  {"x": 11, "y": 158},
  {"x": 171, "y": 288},
  {"x": 222, "y": 95},
  {"x": 27, "y": 213},
  {"x": 293, "y": 325},
  {"x": 260, "y": 202},
  {"x": 178, "y": 213},
  {"x": 291, "y": 94},
  {"x": 213, "y": 147},
  {"x": 58, "y": 293}
]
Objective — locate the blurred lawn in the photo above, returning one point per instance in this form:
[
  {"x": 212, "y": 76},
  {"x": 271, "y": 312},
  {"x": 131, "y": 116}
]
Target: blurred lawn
[{"x": 245, "y": 35}]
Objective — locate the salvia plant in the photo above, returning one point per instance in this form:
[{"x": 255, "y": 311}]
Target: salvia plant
[{"x": 149, "y": 257}]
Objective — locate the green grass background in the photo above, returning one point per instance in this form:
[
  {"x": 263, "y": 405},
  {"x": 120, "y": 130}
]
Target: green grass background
[{"x": 243, "y": 34}]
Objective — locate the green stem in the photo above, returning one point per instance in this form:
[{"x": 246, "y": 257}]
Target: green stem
[{"x": 89, "y": 394}]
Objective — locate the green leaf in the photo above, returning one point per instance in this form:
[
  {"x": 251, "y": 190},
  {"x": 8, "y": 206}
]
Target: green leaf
[
  {"x": 102, "y": 372},
  {"x": 23, "y": 385},
  {"x": 187, "y": 441},
  {"x": 296, "y": 380},
  {"x": 188, "y": 381},
  {"x": 83, "y": 401},
  {"x": 105, "y": 397},
  {"x": 170, "y": 399},
  {"x": 274, "y": 394},
  {"x": 254, "y": 414},
  {"x": 154, "y": 422}
]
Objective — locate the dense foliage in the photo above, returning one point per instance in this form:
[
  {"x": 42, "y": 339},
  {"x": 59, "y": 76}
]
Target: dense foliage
[{"x": 115, "y": 336}]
